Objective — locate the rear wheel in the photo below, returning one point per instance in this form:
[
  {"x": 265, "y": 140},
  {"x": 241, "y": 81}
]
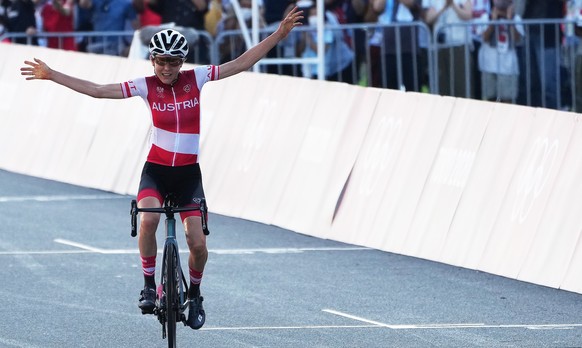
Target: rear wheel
[{"x": 171, "y": 286}]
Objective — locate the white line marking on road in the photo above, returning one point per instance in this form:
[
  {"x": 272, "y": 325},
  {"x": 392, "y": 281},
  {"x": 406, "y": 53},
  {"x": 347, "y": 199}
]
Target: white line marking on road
[
  {"x": 79, "y": 245},
  {"x": 46, "y": 252},
  {"x": 314, "y": 327},
  {"x": 14, "y": 343},
  {"x": 455, "y": 326},
  {"x": 6, "y": 199},
  {"x": 379, "y": 325},
  {"x": 536, "y": 326},
  {"x": 349, "y": 316},
  {"x": 91, "y": 249}
]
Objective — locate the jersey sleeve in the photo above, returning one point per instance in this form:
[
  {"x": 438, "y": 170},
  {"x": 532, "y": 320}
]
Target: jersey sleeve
[
  {"x": 133, "y": 88},
  {"x": 205, "y": 73}
]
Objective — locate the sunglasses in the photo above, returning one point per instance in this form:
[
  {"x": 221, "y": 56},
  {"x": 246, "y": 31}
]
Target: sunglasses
[{"x": 162, "y": 61}]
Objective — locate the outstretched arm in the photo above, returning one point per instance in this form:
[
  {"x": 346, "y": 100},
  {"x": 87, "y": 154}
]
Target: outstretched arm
[
  {"x": 254, "y": 54},
  {"x": 38, "y": 70}
]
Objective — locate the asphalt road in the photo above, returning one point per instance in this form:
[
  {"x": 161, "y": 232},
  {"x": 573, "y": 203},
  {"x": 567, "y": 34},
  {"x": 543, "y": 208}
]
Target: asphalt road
[{"x": 70, "y": 277}]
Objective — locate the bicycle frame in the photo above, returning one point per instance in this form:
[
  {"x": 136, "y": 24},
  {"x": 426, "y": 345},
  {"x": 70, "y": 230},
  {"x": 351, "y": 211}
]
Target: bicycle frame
[{"x": 172, "y": 302}]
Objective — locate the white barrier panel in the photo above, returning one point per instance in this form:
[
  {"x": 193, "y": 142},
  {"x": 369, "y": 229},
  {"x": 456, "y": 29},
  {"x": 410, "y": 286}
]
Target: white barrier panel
[
  {"x": 254, "y": 165},
  {"x": 450, "y": 172},
  {"x": 483, "y": 195},
  {"x": 376, "y": 160},
  {"x": 35, "y": 133},
  {"x": 385, "y": 184},
  {"x": 320, "y": 169},
  {"x": 571, "y": 216},
  {"x": 541, "y": 157},
  {"x": 228, "y": 158},
  {"x": 18, "y": 110},
  {"x": 559, "y": 231},
  {"x": 277, "y": 137},
  {"x": 359, "y": 116},
  {"x": 568, "y": 245}
]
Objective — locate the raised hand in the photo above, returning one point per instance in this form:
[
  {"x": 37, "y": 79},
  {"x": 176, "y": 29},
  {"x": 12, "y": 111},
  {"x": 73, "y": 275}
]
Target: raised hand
[
  {"x": 292, "y": 20},
  {"x": 37, "y": 70}
]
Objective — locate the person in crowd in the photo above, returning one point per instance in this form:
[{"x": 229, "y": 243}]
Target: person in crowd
[
  {"x": 213, "y": 16},
  {"x": 57, "y": 17},
  {"x": 150, "y": 22},
  {"x": 497, "y": 54},
  {"x": 352, "y": 12},
  {"x": 356, "y": 11},
  {"x": 403, "y": 65},
  {"x": 453, "y": 41},
  {"x": 38, "y": 6},
  {"x": 233, "y": 46},
  {"x": 480, "y": 7},
  {"x": 19, "y": 17},
  {"x": 187, "y": 14},
  {"x": 83, "y": 23},
  {"x": 339, "y": 57},
  {"x": 540, "y": 55},
  {"x": 146, "y": 16},
  {"x": 3, "y": 24},
  {"x": 111, "y": 15},
  {"x": 378, "y": 12},
  {"x": 172, "y": 164},
  {"x": 274, "y": 12}
]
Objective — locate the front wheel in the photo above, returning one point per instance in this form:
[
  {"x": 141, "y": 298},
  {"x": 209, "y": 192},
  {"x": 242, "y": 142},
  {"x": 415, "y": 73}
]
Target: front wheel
[{"x": 170, "y": 287}]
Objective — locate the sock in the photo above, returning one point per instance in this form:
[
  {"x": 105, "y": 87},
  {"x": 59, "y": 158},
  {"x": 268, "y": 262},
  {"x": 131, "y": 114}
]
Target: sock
[
  {"x": 195, "y": 280},
  {"x": 148, "y": 265}
]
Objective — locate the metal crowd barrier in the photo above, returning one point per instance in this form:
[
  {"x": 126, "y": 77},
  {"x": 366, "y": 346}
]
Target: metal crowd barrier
[
  {"x": 547, "y": 72},
  {"x": 117, "y": 42},
  {"x": 404, "y": 56}
]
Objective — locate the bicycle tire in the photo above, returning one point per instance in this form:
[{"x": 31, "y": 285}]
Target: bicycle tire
[{"x": 171, "y": 286}]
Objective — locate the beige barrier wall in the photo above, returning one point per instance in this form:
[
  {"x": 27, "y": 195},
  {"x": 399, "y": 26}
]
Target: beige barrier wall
[
  {"x": 492, "y": 169},
  {"x": 323, "y": 160},
  {"x": 387, "y": 180},
  {"x": 526, "y": 200},
  {"x": 480, "y": 185}
]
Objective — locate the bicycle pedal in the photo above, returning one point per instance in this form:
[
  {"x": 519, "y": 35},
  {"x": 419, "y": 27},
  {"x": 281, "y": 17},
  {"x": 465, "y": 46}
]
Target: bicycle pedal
[{"x": 144, "y": 312}]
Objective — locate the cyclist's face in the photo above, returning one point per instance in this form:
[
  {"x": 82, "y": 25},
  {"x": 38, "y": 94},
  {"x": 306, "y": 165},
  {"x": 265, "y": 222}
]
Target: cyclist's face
[{"x": 167, "y": 68}]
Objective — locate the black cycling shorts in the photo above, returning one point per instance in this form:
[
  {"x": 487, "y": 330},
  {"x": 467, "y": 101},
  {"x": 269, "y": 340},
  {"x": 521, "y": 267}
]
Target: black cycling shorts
[{"x": 183, "y": 183}]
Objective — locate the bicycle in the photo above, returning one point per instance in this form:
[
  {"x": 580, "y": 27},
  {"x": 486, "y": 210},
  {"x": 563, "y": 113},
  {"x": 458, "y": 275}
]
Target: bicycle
[{"x": 171, "y": 302}]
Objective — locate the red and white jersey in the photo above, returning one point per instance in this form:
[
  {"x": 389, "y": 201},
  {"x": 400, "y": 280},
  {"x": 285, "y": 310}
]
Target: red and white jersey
[{"x": 175, "y": 110}]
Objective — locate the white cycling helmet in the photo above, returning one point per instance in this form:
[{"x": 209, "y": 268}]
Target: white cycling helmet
[{"x": 169, "y": 42}]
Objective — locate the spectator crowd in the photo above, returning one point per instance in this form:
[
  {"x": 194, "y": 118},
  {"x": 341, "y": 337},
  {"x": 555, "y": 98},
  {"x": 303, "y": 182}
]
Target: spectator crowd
[{"x": 514, "y": 51}]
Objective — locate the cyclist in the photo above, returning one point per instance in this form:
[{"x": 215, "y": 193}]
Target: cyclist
[{"x": 173, "y": 97}]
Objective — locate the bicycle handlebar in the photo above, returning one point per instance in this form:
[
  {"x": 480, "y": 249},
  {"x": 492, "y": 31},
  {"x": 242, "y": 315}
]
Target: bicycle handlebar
[{"x": 169, "y": 211}]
